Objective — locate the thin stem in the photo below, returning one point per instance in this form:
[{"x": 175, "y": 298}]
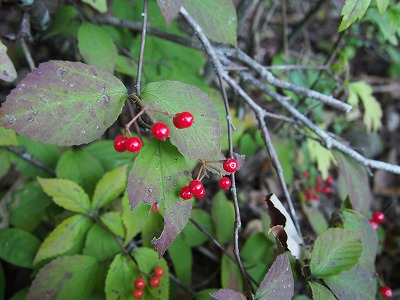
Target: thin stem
[
  {"x": 141, "y": 52},
  {"x": 27, "y": 54}
]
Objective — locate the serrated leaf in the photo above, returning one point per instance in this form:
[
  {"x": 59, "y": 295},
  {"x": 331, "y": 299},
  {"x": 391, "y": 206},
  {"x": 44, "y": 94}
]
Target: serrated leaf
[
  {"x": 80, "y": 167},
  {"x": 99, "y": 5},
  {"x": 120, "y": 278},
  {"x": 352, "y": 10},
  {"x": 181, "y": 257},
  {"x": 147, "y": 260},
  {"x": 322, "y": 156},
  {"x": 170, "y": 9},
  {"x": 8, "y": 137},
  {"x": 217, "y": 19},
  {"x": 166, "y": 174},
  {"x": 134, "y": 221},
  {"x": 64, "y": 103},
  {"x": 320, "y": 292},
  {"x": 64, "y": 237},
  {"x": 356, "y": 284},
  {"x": 278, "y": 283},
  {"x": 110, "y": 186},
  {"x": 202, "y": 139},
  {"x": 67, "y": 277},
  {"x": 357, "y": 181},
  {"x": 100, "y": 243},
  {"x": 18, "y": 247},
  {"x": 66, "y": 194},
  {"x": 97, "y": 47},
  {"x": 354, "y": 221},
  {"x": 382, "y": 5},
  {"x": 227, "y": 294},
  {"x": 113, "y": 220},
  {"x": 7, "y": 69},
  {"x": 191, "y": 235},
  {"x": 223, "y": 216},
  {"x": 335, "y": 251},
  {"x": 230, "y": 274}
]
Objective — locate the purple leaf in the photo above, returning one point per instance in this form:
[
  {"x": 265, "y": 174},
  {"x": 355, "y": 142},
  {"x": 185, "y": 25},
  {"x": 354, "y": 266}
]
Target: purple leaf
[
  {"x": 7, "y": 69},
  {"x": 169, "y": 9},
  {"x": 64, "y": 103},
  {"x": 157, "y": 175},
  {"x": 227, "y": 294},
  {"x": 278, "y": 284}
]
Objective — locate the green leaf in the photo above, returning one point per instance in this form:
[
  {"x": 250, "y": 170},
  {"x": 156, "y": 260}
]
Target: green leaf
[
  {"x": 278, "y": 283},
  {"x": 223, "y": 216},
  {"x": 99, "y": 5},
  {"x": 216, "y": 18},
  {"x": 382, "y": 5},
  {"x": 64, "y": 237},
  {"x": 181, "y": 256},
  {"x": 336, "y": 250},
  {"x": 46, "y": 154},
  {"x": 120, "y": 278},
  {"x": 322, "y": 156},
  {"x": 100, "y": 243},
  {"x": 64, "y": 103},
  {"x": 5, "y": 162},
  {"x": 170, "y": 9},
  {"x": 356, "y": 284},
  {"x": 357, "y": 180},
  {"x": 147, "y": 259},
  {"x": 22, "y": 294},
  {"x": 355, "y": 221},
  {"x": 191, "y": 235},
  {"x": 97, "y": 47},
  {"x": 113, "y": 220},
  {"x": 2, "y": 282},
  {"x": 63, "y": 22},
  {"x": 230, "y": 275},
  {"x": 134, "y": 221},
  {"x": 110, "y": 186},
  {"x": 352, "y": 10},
  {"x": 320, "y": 292},
  {"x": 28, "y": 204},
  {"x": 372, "y": 109},
  {"x": 18, "y": 247},
  {"x": 315, "y": 217},
  {"x": 80, "y": 167},
  {"x": 285, "y": 156},
  {"x": 8, "y": 137},
  {"x": 109, "y": 158},
  {"x": 67, "y": 277},
  {"x": 166, "y": 174},
  {"x": 126, "y": 65},
  {"x": 202, "y": 139},
  {"x": 7, "y": 69},
  {"x": 66, "y": 194}
]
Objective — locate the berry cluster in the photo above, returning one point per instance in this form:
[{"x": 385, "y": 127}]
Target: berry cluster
[
  {"x": 386, "y": 292},
  {"x": 377, "y": 218},
  {"x": 159, "y": 130},
  {"x": 154, "y": 282},
  {"x": 321, "y": 186},
  {"x": 196, "y": 188}
]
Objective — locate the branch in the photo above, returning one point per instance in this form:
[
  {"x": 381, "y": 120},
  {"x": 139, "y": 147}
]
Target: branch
[{"x": 141, "y": 51}]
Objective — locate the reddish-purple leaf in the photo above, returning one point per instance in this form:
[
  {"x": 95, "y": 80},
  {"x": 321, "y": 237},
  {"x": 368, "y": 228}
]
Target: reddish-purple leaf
[
  {"x": 169, "y": 9},
  {"x": 157, "y": 175},
  {"x": 64, "y": 103},
  {"x": 227, "y": 294},
  {"x": 278, "y": 284}
]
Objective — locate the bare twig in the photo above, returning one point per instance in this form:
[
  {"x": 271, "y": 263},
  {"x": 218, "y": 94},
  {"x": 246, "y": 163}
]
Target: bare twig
[
  {"x": 27, "y": 54},
  {"x": 141, "y": 51}
]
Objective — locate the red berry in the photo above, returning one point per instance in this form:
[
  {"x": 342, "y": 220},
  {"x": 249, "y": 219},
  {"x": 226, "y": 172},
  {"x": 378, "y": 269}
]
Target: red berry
[
  {"x": 154, "y": 281},
  {"x": 159, "y": 271},
  {"x": 386, "y": 292},
  {"x": 306, "y": 174},
  {"x": 195, "y": 187},
  {"x": 373, "y": 224},
  {"x": 315, "y": 197},
  {"x": 138, "y": 293},
  {"x": 326, "y": 190},
  {"x": 318, "y": 181},
  {"x": 160, "y": 131},
  {"x": 224, "y": 183},
  {"x": 378, "y": 217},
  {"x": 318, "y": 188},
  {"x": 309, "y": 192},
  {"x": 133, "y": 144},
  {"x": 119, "y": 143},
  {"x": 183, "y": 120},
  {"x": 230, "y": 165},
  {"x": 307, "y": 197},
  {"x": 201, "y": 193},
  {"x": 185, "y": 193},
  {"x": 329, "y": 180},
  {"x": 155, "y": 207},
  {"x": 140, "y": 283}
]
